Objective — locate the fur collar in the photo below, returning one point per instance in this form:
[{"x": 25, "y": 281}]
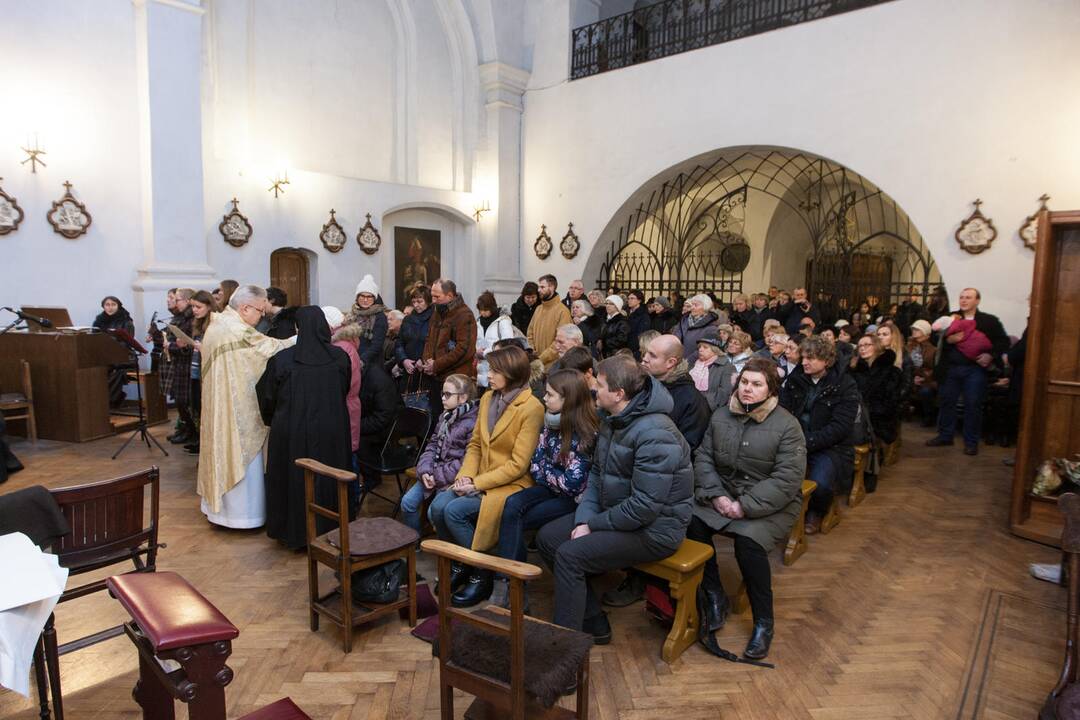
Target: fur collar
[
  {"x": 347, "y": 333},
  {"x": 759, "y": 413},
  {"x": 679, "y": 371}
]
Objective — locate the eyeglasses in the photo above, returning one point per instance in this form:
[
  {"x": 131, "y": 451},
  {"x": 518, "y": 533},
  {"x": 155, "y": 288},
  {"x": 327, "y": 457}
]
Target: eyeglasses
[{"x": 446, "y": 395}]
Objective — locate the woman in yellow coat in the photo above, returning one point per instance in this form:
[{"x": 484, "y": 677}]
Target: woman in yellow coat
[{"x": 496, "y": 466}]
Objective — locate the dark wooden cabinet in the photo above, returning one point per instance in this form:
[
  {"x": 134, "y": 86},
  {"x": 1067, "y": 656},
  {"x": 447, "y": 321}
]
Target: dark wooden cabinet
[
  {"x": 1050, "y": 407},
  {"x": 69, "y": 373}
]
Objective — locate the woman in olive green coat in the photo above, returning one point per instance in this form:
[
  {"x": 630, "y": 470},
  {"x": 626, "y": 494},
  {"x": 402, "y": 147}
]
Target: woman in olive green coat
[{"x": 748, "y": 477}]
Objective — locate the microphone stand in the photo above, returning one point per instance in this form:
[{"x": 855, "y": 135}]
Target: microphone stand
[{"x": 12, "y": 324}]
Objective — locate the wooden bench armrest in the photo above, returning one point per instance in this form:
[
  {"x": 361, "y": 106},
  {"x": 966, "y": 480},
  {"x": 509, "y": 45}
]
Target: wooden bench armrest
[
  {"x": 511, "y": 568},
  {"x": 325, "y": 470}
]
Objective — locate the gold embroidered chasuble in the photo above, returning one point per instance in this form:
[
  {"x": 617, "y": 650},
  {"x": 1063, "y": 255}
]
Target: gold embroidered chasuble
[{"x": 234, "y": 356}]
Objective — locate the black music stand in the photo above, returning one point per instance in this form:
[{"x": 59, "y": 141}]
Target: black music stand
[{"x": 136, "y": 349}]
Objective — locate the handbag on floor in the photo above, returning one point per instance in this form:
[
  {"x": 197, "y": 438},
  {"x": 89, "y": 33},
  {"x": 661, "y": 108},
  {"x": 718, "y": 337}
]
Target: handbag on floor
[{"x": 379, "y": 584}]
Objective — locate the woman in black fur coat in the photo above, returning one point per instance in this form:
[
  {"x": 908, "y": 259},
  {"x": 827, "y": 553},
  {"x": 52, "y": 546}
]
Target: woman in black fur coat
[{"x": 880, "y": 384}]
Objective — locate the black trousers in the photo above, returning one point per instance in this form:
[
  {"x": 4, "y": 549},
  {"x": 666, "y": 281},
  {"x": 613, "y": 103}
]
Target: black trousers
[
  {"x": 573, "y": 562},
  {"x": 753, "y": 563}
]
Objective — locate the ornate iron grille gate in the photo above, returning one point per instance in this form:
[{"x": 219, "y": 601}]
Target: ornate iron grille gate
[
  {"x": 860, "y": 242},
  {"x": 687, "y": 237}
]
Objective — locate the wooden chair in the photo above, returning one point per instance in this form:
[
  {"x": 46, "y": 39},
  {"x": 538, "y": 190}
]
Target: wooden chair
[
  {"x": 382, "y": 540},
  {"x": 500, "y": 683},
  {"x": 796, "y": 544},
  {"x": 108, "y": 526},
  {"x": 21, "y": 401},
  {"x": 399, "y": 453},
  {"x": 683, "y": 571},
  {"x": 1069, "y": 506},
  {"x": 858, "y": 483}
]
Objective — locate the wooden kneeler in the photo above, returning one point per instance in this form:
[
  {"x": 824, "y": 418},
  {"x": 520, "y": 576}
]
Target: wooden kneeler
[
  {"x": 171, "y": 620},
  {"x": 796, "y": 544},
  {"x": 858, "y": 483},
  {"x": 683, "y": 571},
  {"x": 832, "y": 518}
]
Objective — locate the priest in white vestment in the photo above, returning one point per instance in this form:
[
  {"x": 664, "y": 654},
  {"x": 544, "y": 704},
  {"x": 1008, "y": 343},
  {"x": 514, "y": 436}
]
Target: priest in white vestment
[{"x": 232, "y": 433}]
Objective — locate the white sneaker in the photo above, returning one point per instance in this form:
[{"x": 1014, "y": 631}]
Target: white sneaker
[{"x": 1050, "y": 572}]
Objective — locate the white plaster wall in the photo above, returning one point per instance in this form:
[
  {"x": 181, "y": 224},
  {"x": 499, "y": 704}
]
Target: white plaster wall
[
  {"x": 69, "y": 75},
  {"x": 296, "y": 218},
  {"x": 936, "y": 103}
]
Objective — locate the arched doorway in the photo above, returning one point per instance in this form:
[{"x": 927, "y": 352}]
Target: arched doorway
[
  {"x": 742, "y": 219},
  {"x": 290, "y": 270}
]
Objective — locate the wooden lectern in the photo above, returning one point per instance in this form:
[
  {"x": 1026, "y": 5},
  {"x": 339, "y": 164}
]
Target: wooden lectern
[{"x": 69, "y": 372}]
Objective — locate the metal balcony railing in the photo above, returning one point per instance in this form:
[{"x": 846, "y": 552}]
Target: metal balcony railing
[{"x": 676, "y": 26}]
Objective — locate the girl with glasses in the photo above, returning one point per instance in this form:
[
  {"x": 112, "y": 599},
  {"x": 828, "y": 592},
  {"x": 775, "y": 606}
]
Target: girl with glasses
[{"x": 445, "y": 449}]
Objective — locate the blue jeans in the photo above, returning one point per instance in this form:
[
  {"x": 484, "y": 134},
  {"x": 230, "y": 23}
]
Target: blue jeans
[
  {"x": 454, "y": 516},
  {"x": 528, "y": 509},
  {"x": 969, "y": 380},
  {"x": 820, "y": 469},
  {"x": 411, "y": 502}
]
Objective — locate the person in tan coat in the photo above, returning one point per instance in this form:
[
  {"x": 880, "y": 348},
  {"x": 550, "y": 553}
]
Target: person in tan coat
[
  {"x": 496, "y": 466},
  {"x": 549, "y": 316}
]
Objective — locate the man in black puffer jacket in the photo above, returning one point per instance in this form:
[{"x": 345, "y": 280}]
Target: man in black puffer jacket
[
  {"x": 637, "y": 504},
  {"x": 825, "y": 400}
]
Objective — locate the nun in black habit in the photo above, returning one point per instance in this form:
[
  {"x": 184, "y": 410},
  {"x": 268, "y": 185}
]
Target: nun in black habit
[{"x": 302, "y": 398}]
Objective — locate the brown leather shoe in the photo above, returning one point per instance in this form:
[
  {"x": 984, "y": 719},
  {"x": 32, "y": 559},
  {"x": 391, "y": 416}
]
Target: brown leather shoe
[{"x": 813, "y": 523}]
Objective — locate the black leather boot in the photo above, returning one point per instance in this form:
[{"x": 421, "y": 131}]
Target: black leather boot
[
  {"x": 476, "y": 589},
  {"x": 760, "y": 640},
  {"x": 459, "y": 573},
  {"x": 717, "y": 608},
  {"x": 183, "y": 432}
]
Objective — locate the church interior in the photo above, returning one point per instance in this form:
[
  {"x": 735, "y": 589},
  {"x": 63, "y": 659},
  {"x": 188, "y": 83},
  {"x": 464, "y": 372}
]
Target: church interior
[{"x": 235, "y": 232}]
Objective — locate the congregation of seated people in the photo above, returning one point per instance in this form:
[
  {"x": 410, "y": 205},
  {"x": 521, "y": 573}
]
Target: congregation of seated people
[{"x": 608, "y": 427}]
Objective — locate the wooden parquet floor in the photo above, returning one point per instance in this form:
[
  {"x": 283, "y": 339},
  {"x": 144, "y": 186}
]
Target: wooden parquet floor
[{"x": 919, "y": 605}]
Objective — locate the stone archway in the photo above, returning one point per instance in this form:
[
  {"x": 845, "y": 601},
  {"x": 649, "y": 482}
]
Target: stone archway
[{"x": 741, "y": 219}]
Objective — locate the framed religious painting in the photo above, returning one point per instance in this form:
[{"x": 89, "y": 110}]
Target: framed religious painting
[
  {"x": 570, "y": 244},
  {"x": 417, "y": 260},
  {"x": 234, "y": 227},
  {"x": 68, "y": 216},
  {"x": 368, "y": 238},
  {"x": 10, "y": 213},
  {"x": 332, "y": 235},
  {"x": 542, "y": 246},
  {"x": 1029, "y": 229},
  {"x": 976, "y": 232}
]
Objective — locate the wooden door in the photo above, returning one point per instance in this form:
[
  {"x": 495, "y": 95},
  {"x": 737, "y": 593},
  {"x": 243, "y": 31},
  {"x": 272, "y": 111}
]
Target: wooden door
[
  {"x": 289, "y": 271},
  {"x": 1050, "y": 405}
]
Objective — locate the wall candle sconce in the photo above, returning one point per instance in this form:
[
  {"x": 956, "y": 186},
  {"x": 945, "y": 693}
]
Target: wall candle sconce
[
  {"x": 33, "y": 155},
  {"x": 277, "y": 185},
  {"x": 480, "y": 209}
]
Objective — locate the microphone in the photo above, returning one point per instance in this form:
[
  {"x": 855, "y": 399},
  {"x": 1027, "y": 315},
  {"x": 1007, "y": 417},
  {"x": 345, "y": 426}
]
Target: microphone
[{"x": 43, "y": 322}]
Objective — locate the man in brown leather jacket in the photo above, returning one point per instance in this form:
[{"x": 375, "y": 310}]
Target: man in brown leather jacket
[{"x": 451, "y": 341}]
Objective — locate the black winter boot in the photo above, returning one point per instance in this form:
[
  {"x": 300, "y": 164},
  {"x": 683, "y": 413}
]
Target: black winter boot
[
  {"x": 717, "y": 608},
  {"x": 476, "y": 589},
  {"x": 760, "y": 640}
]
